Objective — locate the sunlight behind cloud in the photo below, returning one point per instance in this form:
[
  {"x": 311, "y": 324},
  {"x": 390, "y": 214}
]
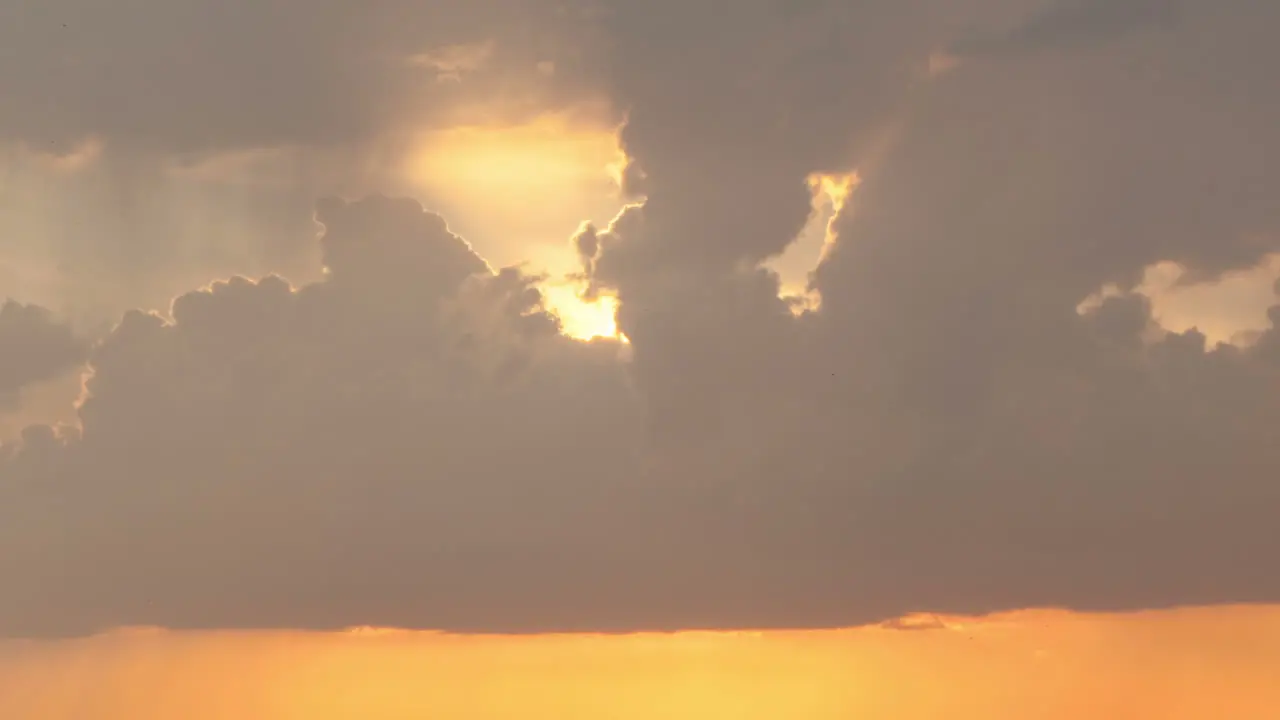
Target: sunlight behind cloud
[
  {"x": 830, "y": 192},
  {"x": 368, "y": 420},
  {"x": 1229, "y": 309},
  {"x": 518, "y": 192},
  {"x": 1225, "y": 310},
  {"x": 517, "y": 162},
  {"x": 581, "y": 319},
  {"x": 544, "y": 176}
]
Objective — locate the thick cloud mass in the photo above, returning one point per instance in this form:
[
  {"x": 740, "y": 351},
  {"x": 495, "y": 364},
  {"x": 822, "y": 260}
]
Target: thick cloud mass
[
  {"x": 411, "y": 442},
  {"x": 34, "y": 347}
]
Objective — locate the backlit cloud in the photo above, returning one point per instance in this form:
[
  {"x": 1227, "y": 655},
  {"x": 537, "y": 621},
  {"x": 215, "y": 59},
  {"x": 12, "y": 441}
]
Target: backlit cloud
[
  {"x": 34, "y": 347},
  {"x": 411, "y": 440}
]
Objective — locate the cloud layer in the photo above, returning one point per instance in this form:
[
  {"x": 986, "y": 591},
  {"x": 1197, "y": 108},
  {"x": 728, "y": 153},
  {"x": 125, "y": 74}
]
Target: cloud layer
[
  {"x": 34, "y": 347},
  {"x": 411, "y": 442},
  {"x": 208, "y": 75}
]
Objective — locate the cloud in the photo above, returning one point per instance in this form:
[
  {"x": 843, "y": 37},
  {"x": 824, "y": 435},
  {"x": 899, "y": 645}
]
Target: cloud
[
  {"x": 378, "y": 403},
  {"x": 34, "y": 347},
  {"x": 451, "y": 62},
  {"x": 109, "y": 147},
  {"x": 1073, "y": 23},
  {"x": 294, "y": 73},
  {"x": 410, "y": 442}
]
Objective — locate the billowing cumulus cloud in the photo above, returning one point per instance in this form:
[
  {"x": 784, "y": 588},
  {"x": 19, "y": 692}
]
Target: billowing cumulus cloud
[{"x": 410, "y": 441}]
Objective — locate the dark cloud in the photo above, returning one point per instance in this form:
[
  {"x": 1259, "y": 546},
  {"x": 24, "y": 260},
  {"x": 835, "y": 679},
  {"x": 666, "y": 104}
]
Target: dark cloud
[
  {"x": 410, "y": 441},
  {"x": 341, "y": 420},
  {"x": 1019, "y": 188},
  {"x": 34, "y": 347},
  {"x": 1073, "y": 23},
  {"x": 208, "y": 75}
]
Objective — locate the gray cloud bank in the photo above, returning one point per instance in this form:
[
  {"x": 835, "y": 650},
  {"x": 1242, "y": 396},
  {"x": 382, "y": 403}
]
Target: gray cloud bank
[
  {"x": 1073, "y": 23},
  {"x": 410, "y": 442},
  {"x": 206, "y": 75},
  {"x": 34, "y": 347}
]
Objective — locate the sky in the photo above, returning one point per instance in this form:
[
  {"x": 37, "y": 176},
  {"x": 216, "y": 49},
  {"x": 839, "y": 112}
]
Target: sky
[{"x": 605, "y": 358}]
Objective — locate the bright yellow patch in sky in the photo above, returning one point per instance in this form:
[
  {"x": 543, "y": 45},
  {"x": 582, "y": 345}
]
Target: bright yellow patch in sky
[
  {"x": 830, "y": 192},
  {"x": 526, "y": 162},
  {"x": 579, "y": 318},
  {"x": 519, "y": 192},
  {"x": 1229, "y": 309},
  {"x": 1182, "y": 665}
]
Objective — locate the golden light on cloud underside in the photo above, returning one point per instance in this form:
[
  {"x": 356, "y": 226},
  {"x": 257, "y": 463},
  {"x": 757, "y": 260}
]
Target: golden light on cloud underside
[
  {"x": 1049, "y": 665},
  {"x": 518, "y": 193}
]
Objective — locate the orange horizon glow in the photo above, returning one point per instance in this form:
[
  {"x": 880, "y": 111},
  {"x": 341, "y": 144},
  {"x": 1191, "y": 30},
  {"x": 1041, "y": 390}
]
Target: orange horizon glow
[{"x": 1052, "y": 665}]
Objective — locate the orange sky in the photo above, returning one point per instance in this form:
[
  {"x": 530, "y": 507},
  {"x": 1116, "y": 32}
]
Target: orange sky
[{"x": 1190, "y": 664}]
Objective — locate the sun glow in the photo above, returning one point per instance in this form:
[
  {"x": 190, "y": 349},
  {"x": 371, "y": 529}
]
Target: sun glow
[
  {"x": 582, "y": 319},
  {"x": 518, "y": 193},
  {"x": 526, "y": 160},
  {"x": 551, "y": 170}
]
